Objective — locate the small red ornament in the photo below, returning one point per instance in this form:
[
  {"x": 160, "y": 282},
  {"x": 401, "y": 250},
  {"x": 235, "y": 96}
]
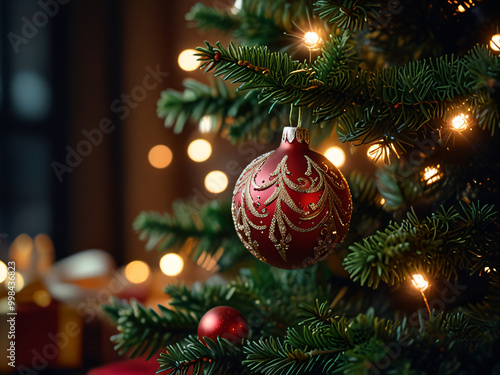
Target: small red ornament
[
  {"x": 225, "y": 322},
  {"x": 291, "y": 206}
]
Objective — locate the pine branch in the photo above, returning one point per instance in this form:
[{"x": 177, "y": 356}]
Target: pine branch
[
  {"x": 216, "y": 358},
  {"x": 391, "y": 105},
  {"x": 354, "y": 345},
  {"x": 349, "y": 15},
  {"x": 208, "y": 229},
  {"x": 143, "y": 330},
  {"x": 209, "y": 18},
  {"x": 438, "y": 246}
]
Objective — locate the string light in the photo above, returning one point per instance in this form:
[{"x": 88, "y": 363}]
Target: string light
[
  {"x": 160, "y": 156},
  {"x": 432, "y": 174},
  {"x": 188, "y": 61},
  {"x": 137, "y": 272},
  {"x": 488, "y": 269},
  {"x": 495, "y": 42},
  {"x": 171, "y": 264},
  {"x": 378, "y": 151},
  {"x": 421, "y": 284},
  {"x": 216, "y": 182},
  {"x": 312, "y": 40},
  {"x": 199, "y": 150},
  {"x": 382, "y": 201},
  {"x": 459, "y": 123},
  {"x": 336, "y": 155}
]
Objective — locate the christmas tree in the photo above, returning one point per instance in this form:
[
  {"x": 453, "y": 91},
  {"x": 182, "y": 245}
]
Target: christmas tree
[{"x": 414, "y": 287}]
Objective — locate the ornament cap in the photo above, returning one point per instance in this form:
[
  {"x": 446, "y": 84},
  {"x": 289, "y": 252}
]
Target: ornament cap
[{"x": 290, "y": 134}]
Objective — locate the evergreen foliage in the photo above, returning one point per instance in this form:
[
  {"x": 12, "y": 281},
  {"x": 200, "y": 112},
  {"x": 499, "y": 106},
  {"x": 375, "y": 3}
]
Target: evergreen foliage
[{"x": 390, "y": 74}]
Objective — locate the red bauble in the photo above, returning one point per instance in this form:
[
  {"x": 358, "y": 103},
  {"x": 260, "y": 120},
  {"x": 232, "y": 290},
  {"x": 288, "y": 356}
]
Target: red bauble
[
  {"x": 225, "y": 322},
  {"x": 291, "y": 206}
]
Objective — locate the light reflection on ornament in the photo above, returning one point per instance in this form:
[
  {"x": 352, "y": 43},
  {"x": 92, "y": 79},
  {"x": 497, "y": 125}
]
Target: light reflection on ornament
[
  {"x": 336, "y": 155},
  {"x": 419, "y": 282},
  {"x": 459, "y": 123},
  {"x": 495, "y": 42}
]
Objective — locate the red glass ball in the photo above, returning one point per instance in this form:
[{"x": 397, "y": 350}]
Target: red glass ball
[
  {"x": 225, "y": 322},
  {"x": 291, "y": 206}
]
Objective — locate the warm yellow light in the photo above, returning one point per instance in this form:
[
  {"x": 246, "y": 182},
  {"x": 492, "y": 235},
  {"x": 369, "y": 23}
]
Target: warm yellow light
[
  {"x": 432, "y": 174},
  {"x": 42, "y": 298},
  {"x": 237, "y": 6},
  {"x": 419, "y": 282},
  {"x": 171, "y": 264},
  {"x": 187, "y": 60},
  {"x": 460, "y": 123},
  {"x": 205, "y": 125},
  {"x": 199, "y": 150},
  {"x": 461, "y": 9},
  {"x": 137, "y": 272},
  {"x": 311, "y": 39},
  {"x": 488, "y": 269},
  {"x": 495, "y": 42},
  {"x": 19, "y": 282},
  {"x": 336, "y": 155},
  {"x": 160, "y": 156},
  {"x": 382, "y": 201},
  {"x": 216, "y": 182},
  {"x": 3, "y": 271}
]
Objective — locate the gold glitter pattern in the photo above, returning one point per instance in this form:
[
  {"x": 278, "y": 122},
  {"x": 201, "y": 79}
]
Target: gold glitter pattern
[{"x": 318, "y": 179}]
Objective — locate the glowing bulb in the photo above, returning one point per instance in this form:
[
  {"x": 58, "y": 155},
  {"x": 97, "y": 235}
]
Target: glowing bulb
[
  {"x": 199, "y": 150},
  {"x": 311, "y": 39},
  {"x": 187, "y": 60},
  {"x": 495, "y": 42},
  {"x": 42, "y": 298},
  {"x": 488, "y": 269},
  {"x": 419, "y": 282},
  {"x": 205, "y": 125},
  {"x": 432, "y": 174},
  {"x": 461, "y": 9},
  {"x": 3, "y": 271},
  {"x": 460, "y": 123},
  {"x": 137, "y": 272},
  {"x": 160, "y": 156},
  {"x": 216, "y": 182},
  {"x": 336, "y": 155},
  {"x": 382, "y": 201},
  {"x": 171, "y": 264}
]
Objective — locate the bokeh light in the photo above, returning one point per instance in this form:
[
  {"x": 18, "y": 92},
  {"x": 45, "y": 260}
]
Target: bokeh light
[
  {"x": 419, "y": 282},
  {"x": 495, "y": 42},
  {"x": 336, "y": 155},
  {"x": 42, "y": 298},
  {"x": 160, "y": 156},
  {"x": 3, "y": 271},
  {"x": 216, "y": 182},
  {"x": 137, "y": 272},
  {"x": 187, "y": 60},
  {"x": 171, "y": 264},
  {"x": 199, "y": 150}
]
